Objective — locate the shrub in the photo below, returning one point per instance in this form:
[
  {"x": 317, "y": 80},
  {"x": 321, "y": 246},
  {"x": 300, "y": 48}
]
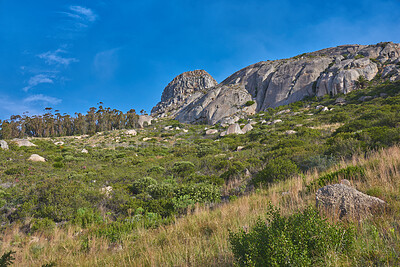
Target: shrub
[
  {"x": 249, "y": 103},
  {"x": 350, "y": 172},
  {"x": 183, "y": 168},
  {"x": 277, "y": 169},
  {"x": 42, "y": 225},
  {"x": 58, "y": 165},
  {"x": 7, "y": 259},
  {"x": 141, "y": 185},
  {"x": 302, "y": 239}
]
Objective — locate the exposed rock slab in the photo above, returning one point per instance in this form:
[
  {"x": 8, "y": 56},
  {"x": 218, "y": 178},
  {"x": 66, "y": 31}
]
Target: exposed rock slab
[
  {"x": 344, "y": 200},
  {"x": 23, "y": 142}
]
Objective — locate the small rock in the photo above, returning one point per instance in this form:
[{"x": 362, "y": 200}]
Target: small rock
[
  {"x": 107, "y": 191},
  {"x": 325, "y": 109},
  {"x": 239, "y": 148},
  {"x": 3, "y": 145},
  {"x": 340, "y": 101},
  {"x": 263, "y": 121},
  {"x": 36, "y": 158},
  {"x": 289, "y": 132},
  {"x": 319, "y": 107},
  {"x": 84, "y": 151},
  {"x": 283, "y": 112},
  {"x": 167, "y": 128},
  {"x": 59, "y": 143},
  {"x": 211, "y": 131},
  {"x": 276, "y": 121},
  {"x": 365, "y": 98},
  {"x": 146, "y": 139},
  {"x": 185, "y": 130},
  {"x": 131, "y": 132}
]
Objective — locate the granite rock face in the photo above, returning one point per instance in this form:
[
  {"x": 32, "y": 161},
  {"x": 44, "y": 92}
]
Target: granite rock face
[
  {"x": 196, "y": 97},
  {"x": 183, "y": 89}
]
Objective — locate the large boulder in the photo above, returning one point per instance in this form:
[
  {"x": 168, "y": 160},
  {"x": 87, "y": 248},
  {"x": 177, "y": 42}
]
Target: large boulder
[
  {"x": 23, "y": 142},
  {"x": 144, "y": 120},
  {"x": 234, "y": 129},
  {"x": 3, "y": 145},
  {"x": 37, "y": 158},
  {"x": 346, "y": 201},
  {"x": 247, "y": 128}
]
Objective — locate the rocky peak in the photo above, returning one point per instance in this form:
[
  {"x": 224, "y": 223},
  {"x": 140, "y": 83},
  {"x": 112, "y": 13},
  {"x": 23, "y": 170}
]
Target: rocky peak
[
  {"x": 274, "y": 83},
  {"x": 182, "y": 88}
]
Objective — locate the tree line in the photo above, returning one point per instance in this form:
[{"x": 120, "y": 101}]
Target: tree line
[{"x": 52, "y": 124}]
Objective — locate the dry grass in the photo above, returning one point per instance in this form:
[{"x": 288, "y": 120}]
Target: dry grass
[{"x": 201, "y": 238}]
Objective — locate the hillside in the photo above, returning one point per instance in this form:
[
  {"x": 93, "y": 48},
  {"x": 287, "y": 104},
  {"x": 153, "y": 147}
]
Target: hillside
[{"x": 166, "y": 194}]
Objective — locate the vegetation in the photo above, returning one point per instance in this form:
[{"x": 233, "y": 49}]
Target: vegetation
[{"x": 170, "y": 195}]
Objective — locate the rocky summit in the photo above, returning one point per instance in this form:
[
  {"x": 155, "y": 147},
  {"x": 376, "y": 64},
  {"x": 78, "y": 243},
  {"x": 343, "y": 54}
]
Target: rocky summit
[
  {"x": 195, "y": 96},
  {"x": 183, "y": 89}
]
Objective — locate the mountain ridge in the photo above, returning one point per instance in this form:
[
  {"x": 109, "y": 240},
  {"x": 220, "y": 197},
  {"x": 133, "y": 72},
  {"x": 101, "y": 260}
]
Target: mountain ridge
[{"x": 279, "y": 82}]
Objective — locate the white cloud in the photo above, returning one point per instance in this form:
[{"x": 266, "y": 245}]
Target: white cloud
[
  {"x": 53, "y": 57},
  {"x": 38, "y": 79},
  {"x": 42, "y": 98},
  {"x": 81, "y": 13}
]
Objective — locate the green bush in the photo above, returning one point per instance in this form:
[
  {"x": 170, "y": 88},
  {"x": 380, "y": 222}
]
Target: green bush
[
  {"x": 42, "y": 225},
  {"x": 277, "y": 169},
  {"x": 302, "y": 239},
  {"x": 349, "y": 173},
  {"x": 183, "y": 168},
  {"x": 58, "y": 165},
  {"x": 249, "y": 103},
  {"x": 141, "y": 185}
]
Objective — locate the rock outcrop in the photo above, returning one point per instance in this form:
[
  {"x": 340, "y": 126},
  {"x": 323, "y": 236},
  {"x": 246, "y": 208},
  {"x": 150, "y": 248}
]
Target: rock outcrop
[
  {"x": 3, "y": 145},
  {"x": 274, "y": 83},
  {"x": 183, "y": 89},
  {"x": 345, "y": 200}
]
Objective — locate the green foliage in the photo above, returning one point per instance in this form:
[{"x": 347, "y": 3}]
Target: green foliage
[
  {"x": 349, "y": 173},
  {"x": 85, "y": 217},
  {"x": 42, "y": 225},
  {"x": 277, "y": 169},
  {"x": 140, "y": 185},
  {"x": 358, "y": 56},
  {"x": 7, "y": 259},
  {"x": 183, "y": 168},
  {"x": 302, "y": 239},
  {"x": 249, "y": 103}
]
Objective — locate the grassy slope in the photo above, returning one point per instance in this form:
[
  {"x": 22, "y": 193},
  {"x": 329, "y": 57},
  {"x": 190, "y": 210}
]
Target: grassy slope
[{"x": 201, "y": 238}]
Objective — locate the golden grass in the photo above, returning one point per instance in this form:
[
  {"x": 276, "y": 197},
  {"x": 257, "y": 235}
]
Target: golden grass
[{"x": 201, "y": 238}]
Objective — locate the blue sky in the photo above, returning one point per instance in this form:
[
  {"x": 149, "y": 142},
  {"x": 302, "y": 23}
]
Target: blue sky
[{"x": 70, "y": 55}]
